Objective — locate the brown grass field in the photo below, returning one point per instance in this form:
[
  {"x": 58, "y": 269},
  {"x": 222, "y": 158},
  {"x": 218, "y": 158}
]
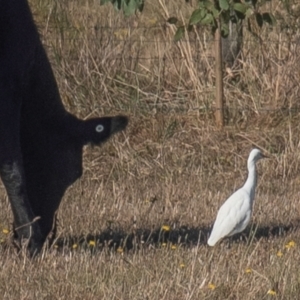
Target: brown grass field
[{"x": 135, "y": 226}]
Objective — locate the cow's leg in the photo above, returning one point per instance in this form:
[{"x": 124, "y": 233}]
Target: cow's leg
[{"x": 12, "y": 174}]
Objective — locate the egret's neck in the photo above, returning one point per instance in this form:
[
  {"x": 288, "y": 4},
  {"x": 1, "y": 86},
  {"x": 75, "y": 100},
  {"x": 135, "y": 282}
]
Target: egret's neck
[{"x": 250, "y": 183}]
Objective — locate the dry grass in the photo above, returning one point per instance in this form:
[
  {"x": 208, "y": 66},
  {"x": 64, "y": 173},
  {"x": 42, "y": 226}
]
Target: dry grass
[{"x": 171, "y": 167}]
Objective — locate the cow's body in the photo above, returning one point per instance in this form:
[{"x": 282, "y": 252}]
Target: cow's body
[{"x": 40, "y": 142}]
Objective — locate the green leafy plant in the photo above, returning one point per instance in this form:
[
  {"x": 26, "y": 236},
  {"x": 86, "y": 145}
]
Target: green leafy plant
[{"x": 225, "y": 11}]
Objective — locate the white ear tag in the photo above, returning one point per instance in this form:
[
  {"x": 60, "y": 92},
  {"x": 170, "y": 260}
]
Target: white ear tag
[{"x": 99, "y": 128}]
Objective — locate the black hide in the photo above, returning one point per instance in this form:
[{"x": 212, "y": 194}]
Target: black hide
[{"x": 40, "y": 142}]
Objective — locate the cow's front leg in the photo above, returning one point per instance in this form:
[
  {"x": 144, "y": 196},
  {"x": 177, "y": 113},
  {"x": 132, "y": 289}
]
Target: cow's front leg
[
  {"x": 25, "y": 224},
  {"x": 13, "y": 177}
]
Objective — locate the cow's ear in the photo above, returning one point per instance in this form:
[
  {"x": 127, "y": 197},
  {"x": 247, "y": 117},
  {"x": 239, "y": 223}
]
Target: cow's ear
[
  {"x": 98, "y": 130},
  {"x": 118, "y": 123}
]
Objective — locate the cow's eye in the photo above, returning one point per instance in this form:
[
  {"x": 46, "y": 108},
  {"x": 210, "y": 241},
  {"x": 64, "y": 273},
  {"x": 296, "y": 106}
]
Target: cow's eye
[{"x": 99, "y": 128}]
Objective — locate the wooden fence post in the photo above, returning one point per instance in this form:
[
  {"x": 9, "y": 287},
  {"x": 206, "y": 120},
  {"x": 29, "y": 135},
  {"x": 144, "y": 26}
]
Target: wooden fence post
[{"x": 219, "y": 113}]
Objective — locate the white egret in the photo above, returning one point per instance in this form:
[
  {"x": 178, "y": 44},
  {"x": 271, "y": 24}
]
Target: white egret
[{"x": 235, "y": 213}]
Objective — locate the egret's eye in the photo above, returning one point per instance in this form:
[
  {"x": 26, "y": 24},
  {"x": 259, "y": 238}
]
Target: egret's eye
[{"x": 99, "y": 128}]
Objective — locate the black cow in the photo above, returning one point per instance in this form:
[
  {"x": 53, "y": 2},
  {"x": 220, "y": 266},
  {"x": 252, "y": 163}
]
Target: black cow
[{"x": 40, "y": 142}]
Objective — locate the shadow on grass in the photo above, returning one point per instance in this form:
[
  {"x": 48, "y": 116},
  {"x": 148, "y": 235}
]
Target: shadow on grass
[
  {"x": 119, "y": 240},
  {"x": 137, "y": 239},
  {"x": 255, "y": 232}
]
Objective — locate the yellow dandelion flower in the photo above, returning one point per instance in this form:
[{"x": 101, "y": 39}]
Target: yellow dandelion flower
[
  {"x": 152, "y": 21},
  {"x": 74, "y": 246},
  {"x": 248, "y": 270},
  {"x": 164, "y": 244},
  {"x": 173, "y": 247},
  {"x": 92, "y": 243},
  {"x": 120, "y": 250},
  {"x": 290, "y": 244},
  {"x": 271, "y": 292},
  {"x": 5, "y": 231},
  {"x": 211, "y": 286},
  {"x": 166, "y": 228},
  {"x": 122, "y": 33},
  {"x": 182, "y": 265},
  {"x": 279, "y": 253}
]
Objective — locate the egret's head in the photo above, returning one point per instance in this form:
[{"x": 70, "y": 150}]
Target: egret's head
[{"x": 255, "y": 155}]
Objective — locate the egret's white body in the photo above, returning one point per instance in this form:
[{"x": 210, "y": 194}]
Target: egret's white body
[{"x": 234, "y": 215}]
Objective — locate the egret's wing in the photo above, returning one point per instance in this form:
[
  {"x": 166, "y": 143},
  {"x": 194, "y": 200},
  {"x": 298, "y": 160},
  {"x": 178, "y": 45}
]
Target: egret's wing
[{"x": 230, "y": 216}]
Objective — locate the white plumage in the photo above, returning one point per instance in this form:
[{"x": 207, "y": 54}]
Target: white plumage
[{"x": 234, "y": 215}]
